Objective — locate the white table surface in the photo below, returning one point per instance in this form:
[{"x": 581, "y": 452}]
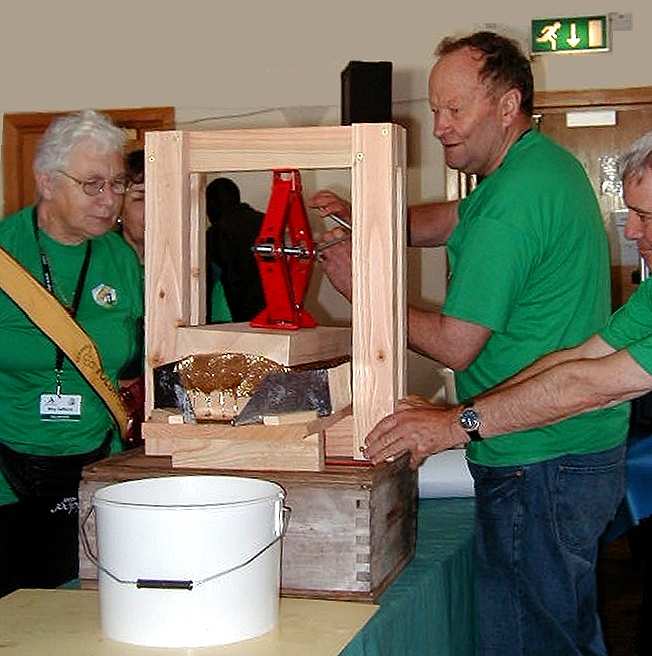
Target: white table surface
[{"x": 66, "y": 623}]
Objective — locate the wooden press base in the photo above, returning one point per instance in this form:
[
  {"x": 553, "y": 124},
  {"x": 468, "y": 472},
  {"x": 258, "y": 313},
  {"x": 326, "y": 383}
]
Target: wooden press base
[{"x": 302, "y": 446}]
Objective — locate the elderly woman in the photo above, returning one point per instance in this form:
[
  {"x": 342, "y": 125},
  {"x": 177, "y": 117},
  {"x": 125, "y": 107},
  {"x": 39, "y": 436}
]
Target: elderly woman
[{"x": 66, "y": 242}]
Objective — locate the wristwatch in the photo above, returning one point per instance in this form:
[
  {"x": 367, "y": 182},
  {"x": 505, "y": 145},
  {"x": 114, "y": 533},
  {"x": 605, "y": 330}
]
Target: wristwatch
[{"x": 470, "y": 421}]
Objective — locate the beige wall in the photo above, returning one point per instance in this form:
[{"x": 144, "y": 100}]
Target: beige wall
[{"x": 254, "y": 63}]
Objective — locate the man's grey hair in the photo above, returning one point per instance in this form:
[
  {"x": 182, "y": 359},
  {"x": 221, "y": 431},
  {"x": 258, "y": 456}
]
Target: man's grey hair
[
  {"x": 64, "y": 133},
  {"x": 637, "y": 159}
]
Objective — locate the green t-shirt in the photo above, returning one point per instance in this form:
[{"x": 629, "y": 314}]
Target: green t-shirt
[
  {"x": 220, "y": 312},
  {"x": 110, "y": 311},
  {"x": 529, "y": 260},
  {"x": 630, "y": 327}
]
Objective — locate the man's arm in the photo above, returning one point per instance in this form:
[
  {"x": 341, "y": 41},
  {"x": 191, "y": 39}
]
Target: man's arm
[
  {"x": 565, "y": 390},
  {"x": 431, "y": 224},
  {"x": 453, "y": 342},
  {"x": 448, "y": 340},
  {"x": 594, "y": 347}
]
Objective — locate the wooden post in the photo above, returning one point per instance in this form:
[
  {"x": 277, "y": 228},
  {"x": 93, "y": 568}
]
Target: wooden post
[
  {"x": 167, "y": 249},
  {"x": 198, "y": 289},
  {"x": 379, "y": 274}
]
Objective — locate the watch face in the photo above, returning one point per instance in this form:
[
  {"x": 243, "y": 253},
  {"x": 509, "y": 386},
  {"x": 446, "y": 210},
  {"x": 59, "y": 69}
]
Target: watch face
[{"x": 470, "y": 419}]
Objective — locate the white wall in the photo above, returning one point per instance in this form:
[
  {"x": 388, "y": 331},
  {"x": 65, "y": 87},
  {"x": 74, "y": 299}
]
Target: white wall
[{"x": 273, "y": 64}]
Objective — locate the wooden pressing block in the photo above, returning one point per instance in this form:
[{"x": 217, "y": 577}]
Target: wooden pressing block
[
  {"x": 351, "y": 532},
  {"x": 288, "y": 347}
]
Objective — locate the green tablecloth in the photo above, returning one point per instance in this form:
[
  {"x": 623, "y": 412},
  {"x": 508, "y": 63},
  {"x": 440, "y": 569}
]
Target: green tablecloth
[{"x": 428, "y": 610}]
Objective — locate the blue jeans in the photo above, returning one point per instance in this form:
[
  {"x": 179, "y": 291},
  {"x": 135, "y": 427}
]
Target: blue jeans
[{"x": 537, "y": 530}]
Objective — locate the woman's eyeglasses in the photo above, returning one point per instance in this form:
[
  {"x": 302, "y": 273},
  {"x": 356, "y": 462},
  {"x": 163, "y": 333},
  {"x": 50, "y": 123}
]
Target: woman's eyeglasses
[{"x": 95, "y": 187}]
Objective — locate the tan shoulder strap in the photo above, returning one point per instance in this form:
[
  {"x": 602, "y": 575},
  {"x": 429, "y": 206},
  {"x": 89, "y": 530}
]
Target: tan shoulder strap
[{"x": 53, "y": 319}]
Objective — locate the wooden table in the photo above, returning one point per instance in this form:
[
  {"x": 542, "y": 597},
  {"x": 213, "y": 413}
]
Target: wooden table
[
  {"x": 66, "y": 623},
  {"x": 429, "y": 609}
]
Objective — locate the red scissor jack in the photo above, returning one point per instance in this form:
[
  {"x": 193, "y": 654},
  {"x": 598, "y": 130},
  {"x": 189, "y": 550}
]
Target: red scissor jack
[{"x": 285, "y": 267}]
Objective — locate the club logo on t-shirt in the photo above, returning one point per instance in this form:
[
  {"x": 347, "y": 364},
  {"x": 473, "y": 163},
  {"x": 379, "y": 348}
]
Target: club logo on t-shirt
[{"x": 105, "y": 296}]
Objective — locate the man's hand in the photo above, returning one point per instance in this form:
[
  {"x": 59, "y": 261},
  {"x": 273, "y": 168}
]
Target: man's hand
[
  {"x": 336, "y": 259},
  {"x": 326, "y": 202},
  {"x": 416, "y": 427}
]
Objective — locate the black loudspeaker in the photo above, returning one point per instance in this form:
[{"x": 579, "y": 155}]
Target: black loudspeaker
[{"x": 367, "y": 92}]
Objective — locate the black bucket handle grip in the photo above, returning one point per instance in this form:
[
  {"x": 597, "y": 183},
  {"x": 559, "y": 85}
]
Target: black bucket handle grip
[{"x": 160, "y": 584}]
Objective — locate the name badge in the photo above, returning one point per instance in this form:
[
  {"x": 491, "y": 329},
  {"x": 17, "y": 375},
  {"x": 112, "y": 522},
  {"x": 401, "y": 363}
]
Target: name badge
[{"x": 60, "y": 407}]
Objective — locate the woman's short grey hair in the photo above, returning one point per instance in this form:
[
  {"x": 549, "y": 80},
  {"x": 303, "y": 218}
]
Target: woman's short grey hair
[
  {"x": 637, "y": 158},
  {"x": 64, "y": 133}
]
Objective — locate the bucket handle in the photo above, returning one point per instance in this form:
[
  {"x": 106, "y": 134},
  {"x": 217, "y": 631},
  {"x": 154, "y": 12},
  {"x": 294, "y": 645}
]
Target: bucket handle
[{"x": 167, "y": 584}]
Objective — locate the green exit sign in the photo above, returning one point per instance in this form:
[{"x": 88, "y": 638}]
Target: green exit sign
[{"x": 570, "y": 35}]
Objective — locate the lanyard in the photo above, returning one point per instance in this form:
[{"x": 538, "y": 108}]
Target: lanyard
[{"x": 49, "y": 285}]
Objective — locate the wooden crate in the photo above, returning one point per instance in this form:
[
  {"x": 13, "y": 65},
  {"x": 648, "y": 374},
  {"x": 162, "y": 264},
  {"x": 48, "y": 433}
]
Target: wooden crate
[{"x": 351, "y": 532}]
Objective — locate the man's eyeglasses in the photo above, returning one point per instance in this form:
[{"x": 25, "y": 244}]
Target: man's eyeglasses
[{"x": 95, "y": 187}]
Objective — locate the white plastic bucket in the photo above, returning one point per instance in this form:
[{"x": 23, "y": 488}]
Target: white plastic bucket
[{"x": 188, "y": 561}]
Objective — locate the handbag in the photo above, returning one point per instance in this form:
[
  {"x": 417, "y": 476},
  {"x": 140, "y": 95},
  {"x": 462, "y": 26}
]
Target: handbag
[
  {"x": 133, "y": 397},
  {"x": 31, "y": 476}
]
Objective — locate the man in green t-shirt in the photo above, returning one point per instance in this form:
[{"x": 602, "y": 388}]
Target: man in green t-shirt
[
  {"x": 529, "y": 275},
  {"x": 612, "y": 366}
]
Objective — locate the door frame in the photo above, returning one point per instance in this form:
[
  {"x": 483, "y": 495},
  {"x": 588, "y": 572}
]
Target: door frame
[{"x": 16, "y": 126}]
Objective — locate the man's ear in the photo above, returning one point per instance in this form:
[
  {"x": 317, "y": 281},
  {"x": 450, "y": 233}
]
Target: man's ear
[
  {"x": 510, "y": 106},
  {"x": 45, "y": 185}
]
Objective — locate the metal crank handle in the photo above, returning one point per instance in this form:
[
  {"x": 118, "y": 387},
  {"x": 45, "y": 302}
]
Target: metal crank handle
[
  {"x": 269, "y": 250},
  {"x": 339, "y": 220}
]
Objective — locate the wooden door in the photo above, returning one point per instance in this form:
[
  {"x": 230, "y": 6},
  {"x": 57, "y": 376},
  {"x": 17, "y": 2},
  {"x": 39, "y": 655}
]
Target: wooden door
[
  {"x": 22, "y": 131},
  {"x": 598, "y": 148}
]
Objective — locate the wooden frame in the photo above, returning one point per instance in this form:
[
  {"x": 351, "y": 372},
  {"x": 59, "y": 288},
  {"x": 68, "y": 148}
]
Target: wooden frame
[
  {"x": 21, "y": 132},
  {"x": 633, "y": 107},
  {"x": 568, "y": 99},
  {"x": 175, "y": 164}
]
